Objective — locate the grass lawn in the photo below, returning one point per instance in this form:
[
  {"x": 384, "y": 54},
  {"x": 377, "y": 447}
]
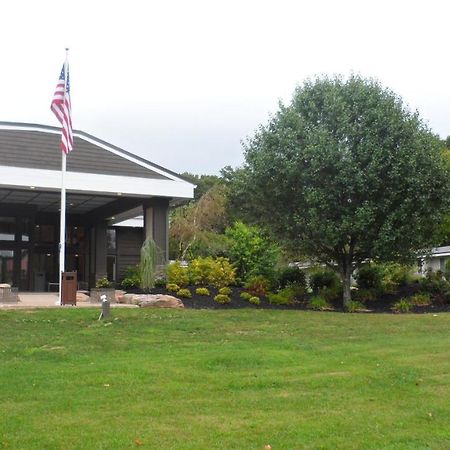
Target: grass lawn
[{"x": 228, "y": 379}]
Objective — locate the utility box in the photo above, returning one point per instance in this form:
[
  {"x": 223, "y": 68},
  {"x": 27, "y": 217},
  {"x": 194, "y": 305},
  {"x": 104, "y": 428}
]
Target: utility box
[{"x": 69, "y": 288}]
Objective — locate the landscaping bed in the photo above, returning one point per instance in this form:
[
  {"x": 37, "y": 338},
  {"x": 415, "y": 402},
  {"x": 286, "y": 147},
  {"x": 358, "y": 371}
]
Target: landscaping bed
[{"x": 383, "y": 303}]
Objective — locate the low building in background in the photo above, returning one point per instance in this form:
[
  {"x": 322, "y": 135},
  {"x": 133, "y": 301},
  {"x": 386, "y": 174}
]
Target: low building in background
[{"x": 106, "y": 187}]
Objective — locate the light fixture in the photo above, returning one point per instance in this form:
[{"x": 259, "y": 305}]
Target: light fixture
[
  {"x": 32, "y": 187},
  {"x": 49, "y": 254},
  {"x": 112, "y": 218}
]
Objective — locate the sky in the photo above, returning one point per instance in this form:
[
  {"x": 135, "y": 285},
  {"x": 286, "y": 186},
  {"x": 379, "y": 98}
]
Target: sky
[{"x": 183, "y": 83}]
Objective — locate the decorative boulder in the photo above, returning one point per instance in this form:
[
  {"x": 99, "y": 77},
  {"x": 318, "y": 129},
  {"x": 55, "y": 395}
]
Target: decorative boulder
[
  {"x": 82, "y": 297},
  {"x": 119, "y": 296},
  {"x": 157, "y": 301}
]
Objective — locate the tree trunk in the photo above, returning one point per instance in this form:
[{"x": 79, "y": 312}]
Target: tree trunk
[{"x": 346, "y": 283}]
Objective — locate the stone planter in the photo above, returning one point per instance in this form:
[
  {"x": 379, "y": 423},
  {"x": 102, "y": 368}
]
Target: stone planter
[{"x": 96, "y": 293}]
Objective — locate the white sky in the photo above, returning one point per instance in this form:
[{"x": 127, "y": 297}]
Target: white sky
[{"x": 183, "y": 82}]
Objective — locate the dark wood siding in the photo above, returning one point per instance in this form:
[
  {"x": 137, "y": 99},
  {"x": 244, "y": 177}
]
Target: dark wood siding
[
  {"x": 129, "y": 242},
  {"x": 39, "y": 150}
]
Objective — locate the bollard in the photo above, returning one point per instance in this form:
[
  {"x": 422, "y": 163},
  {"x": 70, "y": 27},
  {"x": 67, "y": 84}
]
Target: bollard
[{"x": 105, "y": 307}]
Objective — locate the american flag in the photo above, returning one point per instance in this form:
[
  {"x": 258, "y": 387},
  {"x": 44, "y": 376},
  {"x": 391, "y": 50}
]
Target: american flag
[{"x": 62, "y": 110}]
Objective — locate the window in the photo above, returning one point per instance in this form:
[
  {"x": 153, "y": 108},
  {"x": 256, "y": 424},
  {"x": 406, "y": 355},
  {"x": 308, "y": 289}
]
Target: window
[{"x": 7, "y": 228}]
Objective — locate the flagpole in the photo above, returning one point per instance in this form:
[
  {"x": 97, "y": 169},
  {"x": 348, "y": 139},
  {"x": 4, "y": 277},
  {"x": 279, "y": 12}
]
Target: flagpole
[{"x": 62, "y": 227}]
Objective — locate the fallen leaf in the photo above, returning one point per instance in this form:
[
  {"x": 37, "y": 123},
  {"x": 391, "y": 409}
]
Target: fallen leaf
[
  {"x": 106, "y": 385},
  {"x": 138, "y": 442}
]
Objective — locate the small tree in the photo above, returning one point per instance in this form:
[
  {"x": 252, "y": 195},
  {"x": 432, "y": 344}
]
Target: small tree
[{"x": 346, "y": 173}]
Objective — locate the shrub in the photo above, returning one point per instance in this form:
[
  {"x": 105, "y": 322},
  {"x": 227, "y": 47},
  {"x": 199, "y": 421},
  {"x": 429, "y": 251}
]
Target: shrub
[
  {"x": 222, "y": 273},
  {"x": 220, "y": 298},
  {"x": 199, "y": 270},
  {"x": 160, "y": 282},
  {"x": 354, "y": 306},
  {"x": 254, "y": 300},
  {"x": 420, "y": 299},
  {"x": 318, "y": 303},
  {"x": 258, "y": 285},
  {"x": 246, "y": 295},
  {"x": 172, "y": 287},
  {"x": 447, "y": 270},
  {"x": 403, "y": 305},
  {"x": 103, "y": 283},
  {"x": 251, "y": 252},
  {"x": 203, "y": 291},
  {"x": 395, "y": 275},
  {"x": 366, "y": 295},
  {"x": 147, "y": 266},
  {"x": 225, "y": 291},
  {"x": 322, "y": 279},
  {"x": 177, "y": 274},
  {"x": 291, "y": 275},
  {"x": 284, "y": 296},
  {"x": 433, "y": 283},
  {"x": 370, "y": 276},
  {"x": 132, "y": 278},
  {"x": 185, "y": 293}
]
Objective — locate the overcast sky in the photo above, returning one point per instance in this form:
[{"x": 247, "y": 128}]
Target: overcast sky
[{"x": 183, "y": 82}]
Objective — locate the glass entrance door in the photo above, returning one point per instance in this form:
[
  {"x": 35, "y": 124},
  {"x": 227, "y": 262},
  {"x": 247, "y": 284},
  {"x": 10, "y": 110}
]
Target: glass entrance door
[{"x": 7, "y": 266}]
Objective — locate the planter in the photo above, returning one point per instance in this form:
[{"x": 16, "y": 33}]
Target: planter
[{"x": 96, "y": 293}]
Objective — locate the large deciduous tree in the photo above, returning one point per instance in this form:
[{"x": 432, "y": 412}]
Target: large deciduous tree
[{"x": 347, "y": 173}]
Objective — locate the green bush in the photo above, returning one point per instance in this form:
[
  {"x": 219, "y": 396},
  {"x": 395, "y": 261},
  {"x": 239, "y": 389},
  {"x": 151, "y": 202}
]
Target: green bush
[
  {"x": 160, "y": 282},
  {"x": 222, "y": 273},
  {"x": 291, "y": 275},
  {"x": 354, "y": 306},
  {"x": 222, "y": 299},
  {"x": 434, "y": 284},
  {"x": 323, "y": 279},
  {"x": 104, "y": 283},
  {"x": 284, "y": 296},
  {"x": 318, "y": 303},
  {"x": 370, "y": 276},
  {"x": 403, "y": 305},
  {"x": 258, "y": 285},
  {"x": 177, "y": 274},
  {"x": 172, "y": 287},
  {"x": 395, "y": 275},
  {"x": 252, "y": 253},
  {"x": 447, "y": 270},
  {"x": 199, "y": 270},
  {"x": 225, "y": 291},
  {"x": 246, "y": 295},
  {"x": 203, "y": 291},
  {"x": 185, "y": 293},
  {"x": 254, "y": 300},
  {"x": 420, "y": 299},
  {"x": 365, "y": 295},
  {"x": 132, "y": 278}
]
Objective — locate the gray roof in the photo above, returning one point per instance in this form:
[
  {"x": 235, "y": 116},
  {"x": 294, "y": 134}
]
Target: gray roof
[{"x": 40, "y": 149}]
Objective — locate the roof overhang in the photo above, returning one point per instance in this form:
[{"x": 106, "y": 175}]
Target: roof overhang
[{"x": 170, "y": 185}]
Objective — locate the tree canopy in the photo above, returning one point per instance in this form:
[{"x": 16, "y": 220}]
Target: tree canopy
[{"x": 346, "y": 173}]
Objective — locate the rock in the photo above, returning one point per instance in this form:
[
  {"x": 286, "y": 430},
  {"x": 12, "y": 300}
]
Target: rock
[
  {"x": 127, "y": 299},
  {"x": 82, "y": 297},
  {"x": 119, "y": 296},
  {"x": 157, "y": 301}
]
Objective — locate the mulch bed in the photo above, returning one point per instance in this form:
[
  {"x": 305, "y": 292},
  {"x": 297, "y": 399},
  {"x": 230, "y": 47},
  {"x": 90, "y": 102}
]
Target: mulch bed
[{"x": 382, "y": 304}]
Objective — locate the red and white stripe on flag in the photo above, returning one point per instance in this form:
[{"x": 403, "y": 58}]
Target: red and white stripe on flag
[{"x": 62, "y": 109}]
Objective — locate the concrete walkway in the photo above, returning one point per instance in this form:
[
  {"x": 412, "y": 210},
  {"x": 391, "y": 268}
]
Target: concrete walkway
[{"x": 50, "y": 300}]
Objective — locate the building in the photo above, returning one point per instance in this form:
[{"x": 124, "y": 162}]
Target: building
[
  {"x": 436, "y": 260},
  {"x": 106, "y": 188}
]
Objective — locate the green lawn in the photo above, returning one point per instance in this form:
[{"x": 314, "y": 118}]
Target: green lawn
[{"x": 238, "y": 379}]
